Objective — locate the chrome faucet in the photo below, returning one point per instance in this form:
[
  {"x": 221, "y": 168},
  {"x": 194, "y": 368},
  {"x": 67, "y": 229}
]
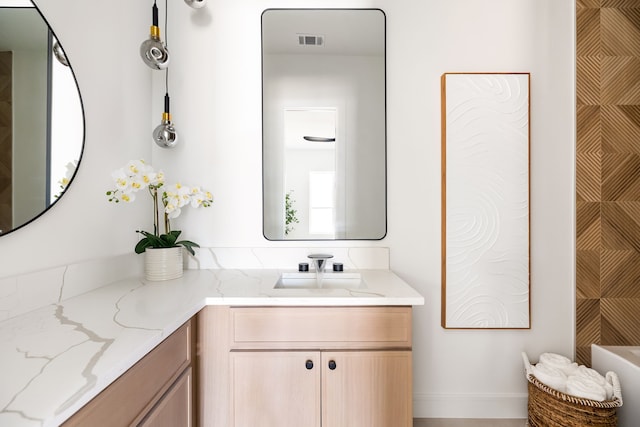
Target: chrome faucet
[{"x": 319, "y": 263}]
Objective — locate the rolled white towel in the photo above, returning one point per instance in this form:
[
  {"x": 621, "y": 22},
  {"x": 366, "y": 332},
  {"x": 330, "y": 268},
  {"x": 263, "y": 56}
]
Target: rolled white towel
[
  {"x": 595, "y": 376},
  {"x": 558, "y": 361},
  {"x": 585, "y": 388},
  {"x": 550, "y": 376}
]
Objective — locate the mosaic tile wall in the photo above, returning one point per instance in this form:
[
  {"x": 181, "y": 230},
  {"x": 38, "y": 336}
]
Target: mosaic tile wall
[{"x": 607, "y": 174}]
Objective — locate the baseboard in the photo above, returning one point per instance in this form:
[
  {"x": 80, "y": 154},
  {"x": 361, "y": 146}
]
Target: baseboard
[{"x": 469, "y": 405}]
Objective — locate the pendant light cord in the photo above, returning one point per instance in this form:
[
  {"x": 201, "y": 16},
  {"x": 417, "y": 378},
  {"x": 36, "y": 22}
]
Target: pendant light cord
[
  {"x": 166, "y": 42},
  {"x": 166, "y": 20}
]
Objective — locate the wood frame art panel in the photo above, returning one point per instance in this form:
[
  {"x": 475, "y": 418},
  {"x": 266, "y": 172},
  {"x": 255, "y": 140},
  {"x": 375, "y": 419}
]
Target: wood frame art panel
[{"x": 485, "y": 201}]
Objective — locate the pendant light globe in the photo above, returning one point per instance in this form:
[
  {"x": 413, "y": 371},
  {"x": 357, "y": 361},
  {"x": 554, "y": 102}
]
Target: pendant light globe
[
  {"x": 196, "y": 4},
  {"x": 165, "y": 134},
  {"x": 153, "y": 52}
]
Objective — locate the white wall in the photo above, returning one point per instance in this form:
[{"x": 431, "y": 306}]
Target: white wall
[{"x": 216, "y": 104}]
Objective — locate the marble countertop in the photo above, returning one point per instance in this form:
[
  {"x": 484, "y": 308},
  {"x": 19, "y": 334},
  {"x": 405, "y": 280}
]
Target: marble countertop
[{"x": 55, "y": 359}]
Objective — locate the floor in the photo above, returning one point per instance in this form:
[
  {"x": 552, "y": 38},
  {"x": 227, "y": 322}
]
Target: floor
[{"x": 450, "y": 422}]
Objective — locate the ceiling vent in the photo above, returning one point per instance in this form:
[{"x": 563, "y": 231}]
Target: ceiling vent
[{"x": 310, "y": 40}]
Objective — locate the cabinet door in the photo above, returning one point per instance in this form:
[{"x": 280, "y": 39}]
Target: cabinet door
[
  {"x": 367, "y": 389},
  {"x": 175, "y": 407},
  {"x": 275, "y": 389}
]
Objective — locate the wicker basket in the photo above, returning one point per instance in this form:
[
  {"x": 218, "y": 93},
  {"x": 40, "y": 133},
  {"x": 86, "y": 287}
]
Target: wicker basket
[{"x": 550, "y": 408}]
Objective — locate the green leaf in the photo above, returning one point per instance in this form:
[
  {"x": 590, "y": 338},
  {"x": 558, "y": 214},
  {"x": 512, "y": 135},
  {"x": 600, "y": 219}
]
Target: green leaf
[
  {"x": 168, "y": 240},
  {"x": 171, "y": 237},
  {"x": 188, "y": 245},
  {"x": 142, "y": 246}
]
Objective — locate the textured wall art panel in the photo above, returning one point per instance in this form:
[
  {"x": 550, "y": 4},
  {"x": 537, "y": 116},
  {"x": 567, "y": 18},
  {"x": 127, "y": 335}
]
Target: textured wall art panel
[{"x": 485, "y": 199}]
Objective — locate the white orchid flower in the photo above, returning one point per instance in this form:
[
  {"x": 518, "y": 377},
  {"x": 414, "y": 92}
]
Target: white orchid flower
[
  {"x": 120, "y": 196},
  {"x": 135, "y": 167},
  {"x": 200, "y": 197},
  {"x": 172, "y": 211},
  {"x": 128, "y": 197},
  {"x": 158, "y": 179},
  {"x": 184, "y": 198},
  {"x": 137, "y": 175},
  {"x": 178, "y": 193},
  {"x": 70, "y": 170},
  {"x": 121, "y": 179},
  {"x": 172, "y": 205},
  {"x": 66, "y": 179}
]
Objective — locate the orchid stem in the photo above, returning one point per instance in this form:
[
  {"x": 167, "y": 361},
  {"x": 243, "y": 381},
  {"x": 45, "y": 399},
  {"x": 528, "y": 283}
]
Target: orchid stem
[{"x": 154, "y": 195}]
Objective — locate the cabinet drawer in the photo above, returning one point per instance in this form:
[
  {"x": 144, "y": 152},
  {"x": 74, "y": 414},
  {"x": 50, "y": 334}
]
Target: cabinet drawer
[
  {"x": 138, "y": 389},
  {"x": 320, "y": 327},
  {"x": 174, "y": 409}
]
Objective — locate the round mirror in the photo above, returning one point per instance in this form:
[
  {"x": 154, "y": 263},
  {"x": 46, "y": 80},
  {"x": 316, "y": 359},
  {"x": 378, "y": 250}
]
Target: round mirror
[{"x": 41, "y": 116}]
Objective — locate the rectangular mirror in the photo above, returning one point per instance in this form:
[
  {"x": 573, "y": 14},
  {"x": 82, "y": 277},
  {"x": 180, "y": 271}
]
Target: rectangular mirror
[{"x": 324, "y": 124}]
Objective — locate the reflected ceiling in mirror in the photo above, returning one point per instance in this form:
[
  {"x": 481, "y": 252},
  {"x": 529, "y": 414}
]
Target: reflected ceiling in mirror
[
  {"x": 41, "y": 117},
  {"x": 324, "y": 124}
]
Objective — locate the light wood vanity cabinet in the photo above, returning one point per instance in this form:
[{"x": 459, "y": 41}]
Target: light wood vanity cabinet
[
  {"x": 158, "y": 391},
  {"x": 306, "y": 366}
]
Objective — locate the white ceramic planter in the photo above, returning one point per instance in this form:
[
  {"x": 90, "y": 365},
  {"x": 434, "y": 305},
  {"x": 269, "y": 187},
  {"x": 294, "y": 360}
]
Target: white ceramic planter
[{"x": 163, "y": 263}]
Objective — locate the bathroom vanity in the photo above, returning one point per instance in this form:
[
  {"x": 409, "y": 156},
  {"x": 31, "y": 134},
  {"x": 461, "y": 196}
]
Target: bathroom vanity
[
  {"x": 311, "y": 366},
  {"x": 126, "y": 353}
]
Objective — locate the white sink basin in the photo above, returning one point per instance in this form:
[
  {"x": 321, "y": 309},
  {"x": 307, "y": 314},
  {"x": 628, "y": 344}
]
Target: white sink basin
[{"x": 330, "y": 280}]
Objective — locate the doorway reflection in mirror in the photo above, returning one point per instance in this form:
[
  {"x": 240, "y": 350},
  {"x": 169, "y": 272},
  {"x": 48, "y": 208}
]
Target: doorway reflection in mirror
[{"x": 310, "y": 164}]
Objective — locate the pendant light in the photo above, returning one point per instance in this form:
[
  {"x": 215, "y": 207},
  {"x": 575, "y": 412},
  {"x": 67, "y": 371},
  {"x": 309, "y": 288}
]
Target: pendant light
[
  {"x": 58, "y": 52},
  {"x": 196, "y": 4},
  {"x": 153, "y": 52},
  {"x": 165, "y": 134}
]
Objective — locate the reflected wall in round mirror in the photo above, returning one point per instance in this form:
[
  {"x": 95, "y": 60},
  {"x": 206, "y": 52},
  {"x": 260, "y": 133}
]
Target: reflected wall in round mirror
[{"x": 41, "y": 117}]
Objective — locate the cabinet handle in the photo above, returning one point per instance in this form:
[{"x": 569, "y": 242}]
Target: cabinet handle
[
  {"x": 309, "y": 364},
  {"x": 332, "y": 364}
]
